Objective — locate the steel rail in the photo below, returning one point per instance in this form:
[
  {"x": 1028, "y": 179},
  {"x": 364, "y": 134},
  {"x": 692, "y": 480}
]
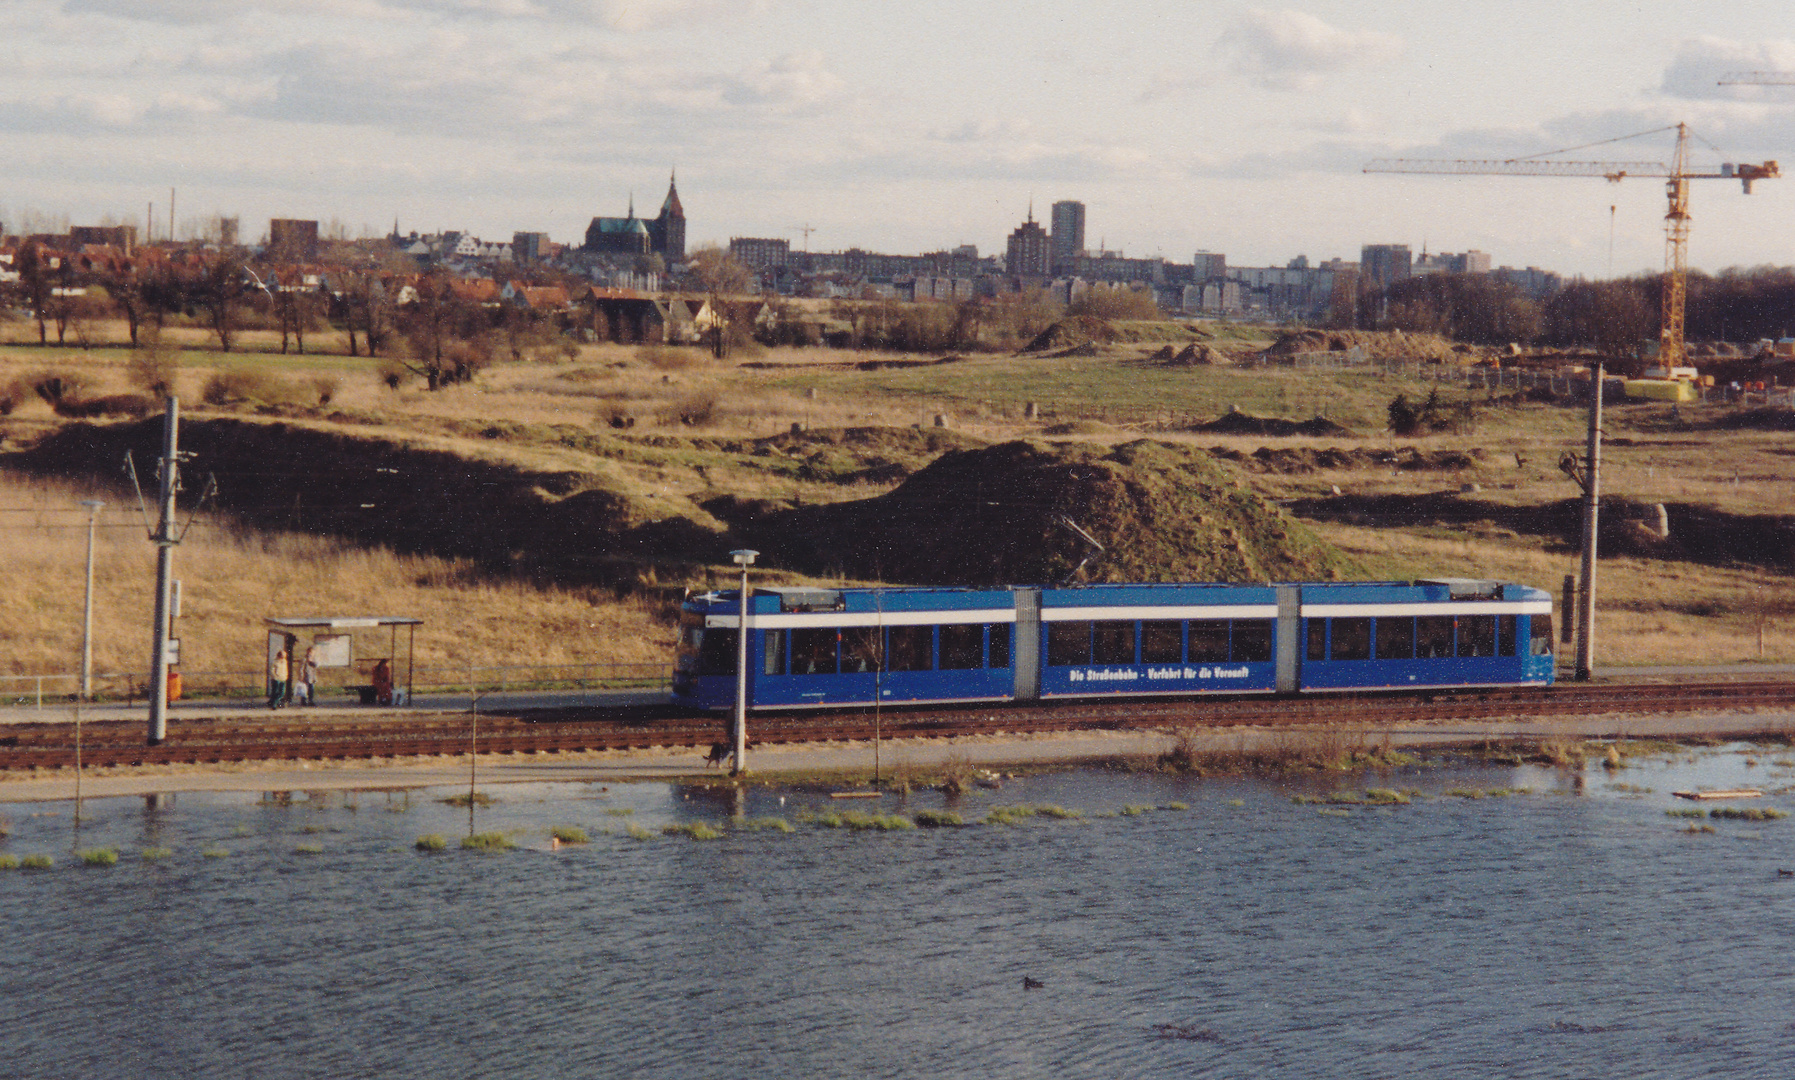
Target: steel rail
[{"x": 47, "y": 745}]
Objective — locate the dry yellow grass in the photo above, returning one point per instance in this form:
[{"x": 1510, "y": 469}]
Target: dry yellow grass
[{"x": 233, "y": 579}]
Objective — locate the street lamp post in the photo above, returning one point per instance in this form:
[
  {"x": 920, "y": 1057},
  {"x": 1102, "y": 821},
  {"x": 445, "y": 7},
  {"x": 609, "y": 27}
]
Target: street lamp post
[
  {"x": 744, "y": 558},
  {"x": 94, "y": 506}
]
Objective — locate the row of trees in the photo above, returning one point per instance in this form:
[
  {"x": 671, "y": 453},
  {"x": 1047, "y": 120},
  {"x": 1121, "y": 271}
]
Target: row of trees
[
  {"x": 1614, "y": 316},
  {"x": 429, "y": 330}
]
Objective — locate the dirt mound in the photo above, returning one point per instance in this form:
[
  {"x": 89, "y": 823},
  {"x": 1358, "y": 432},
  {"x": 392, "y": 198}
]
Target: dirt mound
[
  {"x": 1375, "y": 344},
  {"x": 1239, "y": 423},
  {"x": 995, "y": 516},
  {"x": 1754, "y": 420},
  {"x": 1196, "y": 354},
  {"x": 279, "y": 476},
  {"x": 1072, "y": 332},
  {"x": 1296, "y": 460}
]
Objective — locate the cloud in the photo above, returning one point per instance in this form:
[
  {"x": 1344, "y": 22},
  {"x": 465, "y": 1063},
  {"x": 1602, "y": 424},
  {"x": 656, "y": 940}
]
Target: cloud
[
  {"x": 629, "y": 16},
  {"x": 1702, "y": 63},
  {"x": 1290, "y": 50}
]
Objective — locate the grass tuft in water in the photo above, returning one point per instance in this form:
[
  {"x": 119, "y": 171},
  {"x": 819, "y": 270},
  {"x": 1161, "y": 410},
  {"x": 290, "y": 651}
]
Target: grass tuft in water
[
  {"x": 1009, "y": 815},
  {"x": 569, "y": 834},
  {"x": 155, "y": 854},
  {"x": 1135, "y": 810},
  {"x": 937, "y": 819},
  {"x": 1235, "y": 802},
  {"x": 100, "y": 856},
  {"x": 697, "y": 830},
  {"x": 637, "y": 832},
  {"x": 622, "y": 811},
  {"x": 1686, "y": 812},
  {"x": 487, "y": 841},
  {"x": 432, "y": 842},
  {"x": 1174, "y": 806},
  {"x": 37, "y": 862},
  {"x": 478, "y": 798},
  {"x": 9, "y": 862},
  {"x": 776, "y": 824},
  {"x": 309, "y": 849},
  {"x": 1330, "y": 812},
  {"x": 1700, "y": 829},
  {"x": 1748, "y": 813},
  {"x": 214, "y": 852}
]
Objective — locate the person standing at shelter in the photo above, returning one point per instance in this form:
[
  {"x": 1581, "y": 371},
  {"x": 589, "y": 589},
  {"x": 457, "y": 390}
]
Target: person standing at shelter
[
  {"x": 306, "y": 689},
  {"x": 383, "y": 683},
  {"x": 278, "y": 671}
]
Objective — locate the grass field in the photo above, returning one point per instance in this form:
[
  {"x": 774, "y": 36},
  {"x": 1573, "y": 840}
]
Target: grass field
[{"x": 658, "y": 423}]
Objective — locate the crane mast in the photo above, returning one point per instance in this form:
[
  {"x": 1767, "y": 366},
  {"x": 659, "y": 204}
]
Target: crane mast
[{"x": 1676, "y": 218}]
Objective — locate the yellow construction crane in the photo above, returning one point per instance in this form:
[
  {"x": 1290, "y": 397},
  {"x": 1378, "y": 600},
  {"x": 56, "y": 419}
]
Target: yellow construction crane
[{"x": 1676, "y": 221}]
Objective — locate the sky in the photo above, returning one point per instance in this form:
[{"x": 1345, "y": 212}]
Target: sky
[{"x": 1183, "y": 125}]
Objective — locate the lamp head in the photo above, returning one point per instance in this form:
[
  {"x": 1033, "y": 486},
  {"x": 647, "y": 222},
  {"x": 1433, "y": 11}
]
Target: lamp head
[{"x": 744, "y": 557}]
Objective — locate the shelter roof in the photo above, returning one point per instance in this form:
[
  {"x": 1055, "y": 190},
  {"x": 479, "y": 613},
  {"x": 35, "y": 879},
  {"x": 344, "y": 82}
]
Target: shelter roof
[{"x": 341, "y": 622}]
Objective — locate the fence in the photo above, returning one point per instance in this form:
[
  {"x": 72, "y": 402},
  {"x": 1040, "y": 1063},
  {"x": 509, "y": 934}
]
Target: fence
[{"x": 34, "y": 690}]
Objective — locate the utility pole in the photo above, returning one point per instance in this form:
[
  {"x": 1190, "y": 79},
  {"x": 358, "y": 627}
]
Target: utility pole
[
  {"x": 1589, "y": 477},
  {"x": 165, "y": 553},
  {"x": 743, "y": 558},
  {"x": 93, "y": 514}
]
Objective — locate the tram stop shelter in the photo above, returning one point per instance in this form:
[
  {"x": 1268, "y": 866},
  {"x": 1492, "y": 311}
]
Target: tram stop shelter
[{"x": 336, "y": 638}]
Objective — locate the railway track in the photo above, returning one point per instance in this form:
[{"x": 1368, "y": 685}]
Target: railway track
[{"x": 296, "y": 736}]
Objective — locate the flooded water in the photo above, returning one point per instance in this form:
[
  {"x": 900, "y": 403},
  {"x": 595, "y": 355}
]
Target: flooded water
[{"x": 1574, "y": 930}]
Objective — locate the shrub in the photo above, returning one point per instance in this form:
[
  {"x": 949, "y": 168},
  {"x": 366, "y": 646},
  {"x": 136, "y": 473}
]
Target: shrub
[
  {"x": 154, "y": 370},
  {"x": 671, "y": 357},
  {"x": 431, "y": 842},
  {"x": 692, "y": 410},
  {"x": 250, "y": 386},
  {"x": 325, "y": 386}
]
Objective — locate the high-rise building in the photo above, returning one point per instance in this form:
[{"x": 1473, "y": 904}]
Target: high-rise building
[
  {"x": 1206, "y": 265},
  {"x": 1383, "y": 265},
  {"x": 760, "y": 253},
  {"x": 1068, "y": 233},
  {"x": 1029, "y": 254}
]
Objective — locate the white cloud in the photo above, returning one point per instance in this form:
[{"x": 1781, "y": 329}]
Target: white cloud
[
  {"x": 1291, "y": 50},
  {"x": 630, "y": 16},
  {"x": 1702, "y": 63}
]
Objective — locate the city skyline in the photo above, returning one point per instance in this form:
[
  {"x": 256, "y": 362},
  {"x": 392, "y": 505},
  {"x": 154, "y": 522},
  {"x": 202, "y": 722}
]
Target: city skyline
[{"x": 1182, "y": 127}]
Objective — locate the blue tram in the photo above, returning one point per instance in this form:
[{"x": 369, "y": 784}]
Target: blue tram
[{"x": 811, "y": 647}]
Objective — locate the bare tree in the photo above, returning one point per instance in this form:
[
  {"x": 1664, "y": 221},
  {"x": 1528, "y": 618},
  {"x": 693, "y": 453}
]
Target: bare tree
[{"x": 223, "y": 289}]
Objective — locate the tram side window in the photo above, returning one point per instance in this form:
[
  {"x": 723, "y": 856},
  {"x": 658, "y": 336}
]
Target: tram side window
[
  {"x": 1433, "y": 637},
  {"x": 773, "y": 662},
  {"x": 1068, "y": 643},
  {"x": 1162, "y": 642},
  {"x": 911, "y": 648},
  {"x": 859, "y": 649},
  {"x": 1396, "y": 638},
  {"x": 813, "y": 650},
  {"x": 1209, "y": 641},
  {"x": 1114, "y": 642},
  {"x": 962, "y": 646},
  {"x": 1505, "y": 635},
  {"x": 1352, "y": 639},
  {"x": 1539, "y": 635},
  {"x": 1252, "y": 640},
  {"x": 1477, "y": 635},
  {"x": 1318, "y": 639},
  {"x": 716, "y": 652},
  {"x": 1000, "y": 644}
]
